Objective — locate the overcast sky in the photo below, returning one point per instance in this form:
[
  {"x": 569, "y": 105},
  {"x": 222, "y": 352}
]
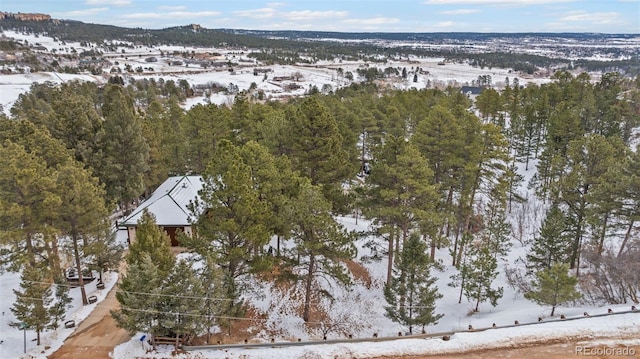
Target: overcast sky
[{"x": 606, "y": 16}]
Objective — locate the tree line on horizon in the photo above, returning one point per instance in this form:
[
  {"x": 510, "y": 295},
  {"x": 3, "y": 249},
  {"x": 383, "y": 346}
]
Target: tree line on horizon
[
  {"x": 293, "y": 46},
  {"x": 442, "y": 175}
]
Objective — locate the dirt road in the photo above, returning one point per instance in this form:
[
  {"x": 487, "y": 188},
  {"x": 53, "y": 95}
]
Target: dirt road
[
  {"x": 550, "y": 349},
  {"x": 96, "y": 336}
]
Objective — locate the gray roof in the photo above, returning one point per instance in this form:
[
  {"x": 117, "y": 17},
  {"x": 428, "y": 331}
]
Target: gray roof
[{"x": 169, "y": 202}]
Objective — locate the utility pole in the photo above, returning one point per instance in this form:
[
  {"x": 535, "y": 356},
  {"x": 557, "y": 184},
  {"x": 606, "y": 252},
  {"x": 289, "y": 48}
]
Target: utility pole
[{"x": 23, "y": 326}]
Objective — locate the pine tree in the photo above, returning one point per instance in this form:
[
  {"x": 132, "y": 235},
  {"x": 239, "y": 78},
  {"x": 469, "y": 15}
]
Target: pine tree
[
  {"x": 32, "y": 307},
  {"x": 155, "y": 132},
  {"x": 124, "y": 152},
  {"x": 628, "y": 193},
  {"x": 234, "y": 216},
  {"x": 489, "y": 104},
  {"x": 76, "y": 122},
  {"x": 203, "y": 127},
  {"x": 401, "y": 195},
  {"x": 29, "y": 201},
  {"x": 484, "y": 159},
  {"x": 554, "y": 286},
  {"x": 103, "y": 250},
  {"x": 478, "y": 270},
  {"x": 139, "y": 294},
  {"x": 58, "y": 309},
  {"x": 497, "y": 230},
  {"x": 411, "y": 294},
  {"x": 316, "y": 144},
  {"x": 479, "y": 283},
  {"x": 181, "y": 302},
  {"x": 35, "y": 140},
  {"x": 320, "y": 243},
  {"x": 82, "y": 213},
  {"x": 213, "y": 286},
  {"x": 553, "y": 244},
  {"x": 564, "y": 127},
  {"x": 586, "y": 163},
  {"x": 440, "y": 139},
  {"x": 153, "y": 242}
]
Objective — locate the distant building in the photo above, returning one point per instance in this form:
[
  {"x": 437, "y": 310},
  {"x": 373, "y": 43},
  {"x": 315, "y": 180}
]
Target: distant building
[
  {"x": 169, "y": 204},
  {"x": 282, "y": 78},
  {"x": 471, "y": 90}
]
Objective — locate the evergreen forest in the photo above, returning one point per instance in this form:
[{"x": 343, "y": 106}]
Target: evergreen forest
[{"x": 430, "y": 169}]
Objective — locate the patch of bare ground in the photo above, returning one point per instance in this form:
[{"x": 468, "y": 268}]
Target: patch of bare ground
[
  {"x": 235, "y": 331},
  {"x": 360, "y": 272}
]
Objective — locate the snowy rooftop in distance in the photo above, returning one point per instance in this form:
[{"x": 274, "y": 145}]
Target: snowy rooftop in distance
[{"x": 169, "y": 202}]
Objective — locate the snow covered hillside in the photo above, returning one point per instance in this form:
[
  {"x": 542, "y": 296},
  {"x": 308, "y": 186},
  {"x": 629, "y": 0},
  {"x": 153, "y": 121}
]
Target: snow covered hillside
[{"x": 359, "y": 310}]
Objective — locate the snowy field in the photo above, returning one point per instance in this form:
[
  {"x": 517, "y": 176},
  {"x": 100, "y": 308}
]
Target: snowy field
[
  {"x": 433, "y": 73},
  {"x": 364, "y": 303}
]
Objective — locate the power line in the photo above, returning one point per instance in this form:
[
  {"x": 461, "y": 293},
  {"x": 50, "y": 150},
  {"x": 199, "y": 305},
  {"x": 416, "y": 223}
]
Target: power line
[
  {"x": 165, "y": 295},
  {"x": 155, "y": 311}
]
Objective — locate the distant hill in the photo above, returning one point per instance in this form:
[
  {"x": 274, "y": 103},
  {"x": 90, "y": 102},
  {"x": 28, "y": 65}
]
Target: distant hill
[
  {"x": 24, "y": 16},
  {"x": 435, "y": 37},
  {"x": 292, "y": 46}
]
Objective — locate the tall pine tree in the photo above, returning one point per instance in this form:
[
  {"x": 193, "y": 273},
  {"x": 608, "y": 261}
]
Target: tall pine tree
[
  {"x": 553, "y": 244},
  {"x": 411, "y": 294},
  {"x": 153, "y": 242},
  {"x": 124, "y": 151},
  {"x": 33, "y": 306},
  {"x": 139, "y": 293},
  {"x": 321, "y": 243}
]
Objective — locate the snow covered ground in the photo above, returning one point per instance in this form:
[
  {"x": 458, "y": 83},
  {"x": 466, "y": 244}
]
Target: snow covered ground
[
  {"x": 363, "y": 302},
  {"x": 13, "y": 343},
  {"x": 433, "y": 72},
  {"x": 366, "y": 304},
  {"x": 623, "y": 325}
]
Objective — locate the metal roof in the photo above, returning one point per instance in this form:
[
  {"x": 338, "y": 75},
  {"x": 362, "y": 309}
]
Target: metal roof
[{"x": 169, "y": 202}]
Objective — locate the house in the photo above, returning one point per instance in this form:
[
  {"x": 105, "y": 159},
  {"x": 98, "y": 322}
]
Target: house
[
  {"x": 471, "y": 90},
  {"x": 169, "y": 204}
]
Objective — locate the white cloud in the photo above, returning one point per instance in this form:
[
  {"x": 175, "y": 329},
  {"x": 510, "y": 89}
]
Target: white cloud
[
  {"x": 372, "y": 21},
  {"x": 494, "y": 2},
  {"x": 444, "y": 24},
  {"x": 291, "y": 25},
  {"x": 460, "y": 12},
  {"x": 264, "y": 13},
  {"x": 81, "y": 13},
  {"x": 290, "y": 16},
  {"x": 171, "y": 15},
  {"x": 308, "y": 15},
  {"x": 595, "y": 17},
  {"x": 171, "y": 8},
  {"x": 109, "y": 2}
]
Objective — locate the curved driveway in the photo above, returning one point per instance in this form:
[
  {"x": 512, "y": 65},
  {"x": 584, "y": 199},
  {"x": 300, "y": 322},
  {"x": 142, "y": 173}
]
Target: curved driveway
[{"x": 96, "y": 336}]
